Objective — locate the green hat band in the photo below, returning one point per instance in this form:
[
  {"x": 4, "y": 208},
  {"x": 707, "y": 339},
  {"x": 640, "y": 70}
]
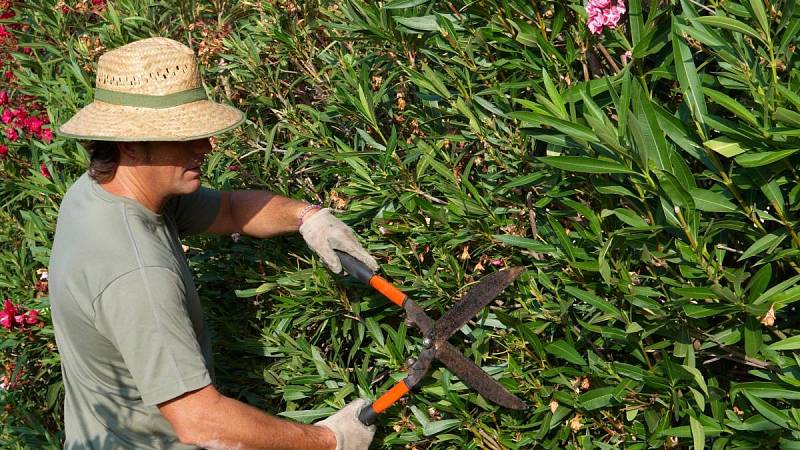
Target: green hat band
[{"x": 150, "y": 101}]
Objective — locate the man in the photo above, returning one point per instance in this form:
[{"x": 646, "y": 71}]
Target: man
[{"x": 136, "y": 354}]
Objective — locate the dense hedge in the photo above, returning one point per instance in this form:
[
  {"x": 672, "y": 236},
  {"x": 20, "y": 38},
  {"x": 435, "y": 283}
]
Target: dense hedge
[{"x": 645, "y": 175}]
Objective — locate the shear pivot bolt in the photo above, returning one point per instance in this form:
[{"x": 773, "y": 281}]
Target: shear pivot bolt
[
  {"x": 426, "y": 342},
  {"x": 410, "y": 362}
]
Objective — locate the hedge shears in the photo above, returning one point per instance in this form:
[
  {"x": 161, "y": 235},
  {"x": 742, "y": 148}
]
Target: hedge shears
[{"x": 435, "y": 336}]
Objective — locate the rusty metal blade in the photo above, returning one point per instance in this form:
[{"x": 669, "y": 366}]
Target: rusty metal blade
[
  {"x": 474, "y": 377},
  {"x": 479, "y": 296}
]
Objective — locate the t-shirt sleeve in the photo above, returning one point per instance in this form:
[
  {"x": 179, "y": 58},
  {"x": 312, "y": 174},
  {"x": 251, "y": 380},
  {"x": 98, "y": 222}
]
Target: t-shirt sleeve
[
  {"x": 194, "y": 213},
  {"x": 144, "y": 314}
]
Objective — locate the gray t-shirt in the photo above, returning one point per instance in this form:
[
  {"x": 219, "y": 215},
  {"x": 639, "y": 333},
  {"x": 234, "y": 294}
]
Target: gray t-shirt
[{"x": 126, "y": 313}]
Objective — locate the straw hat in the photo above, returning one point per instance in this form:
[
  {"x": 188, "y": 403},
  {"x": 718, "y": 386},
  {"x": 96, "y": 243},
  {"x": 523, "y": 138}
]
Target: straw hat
[{"x": 150, "y": 90}]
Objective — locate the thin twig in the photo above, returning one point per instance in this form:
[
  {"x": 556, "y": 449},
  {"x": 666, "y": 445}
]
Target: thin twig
[{"x": 608, "y": 57}]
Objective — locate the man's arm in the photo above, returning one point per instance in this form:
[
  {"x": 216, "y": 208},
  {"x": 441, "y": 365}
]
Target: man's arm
[
  {"x": 259, "y": 214},
  {"x": 208, "y": 419}
]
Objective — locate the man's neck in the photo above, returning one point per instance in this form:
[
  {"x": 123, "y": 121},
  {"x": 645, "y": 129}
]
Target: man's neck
[{"x": 127, "y": 183}]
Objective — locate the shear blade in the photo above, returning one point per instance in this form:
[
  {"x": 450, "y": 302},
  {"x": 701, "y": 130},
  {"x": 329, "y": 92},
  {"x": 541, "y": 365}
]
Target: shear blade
[
  {"x": 479, "y": 296},
  {"x": 474, "y": 377}
]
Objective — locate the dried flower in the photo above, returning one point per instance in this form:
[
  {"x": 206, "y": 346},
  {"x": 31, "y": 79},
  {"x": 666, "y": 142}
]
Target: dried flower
[{"x": 769, "y": 317}]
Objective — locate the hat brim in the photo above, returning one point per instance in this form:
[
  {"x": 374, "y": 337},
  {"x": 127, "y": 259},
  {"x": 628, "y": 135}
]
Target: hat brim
[{"x": 100, "y": 121}]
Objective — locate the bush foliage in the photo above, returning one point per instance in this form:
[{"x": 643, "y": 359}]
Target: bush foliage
[{"x": 646, "y": 177}]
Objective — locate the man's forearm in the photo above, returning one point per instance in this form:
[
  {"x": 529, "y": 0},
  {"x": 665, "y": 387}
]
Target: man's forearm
[
  {"x": 235, "y": 425},
  {"x": 259, "y": 214}
]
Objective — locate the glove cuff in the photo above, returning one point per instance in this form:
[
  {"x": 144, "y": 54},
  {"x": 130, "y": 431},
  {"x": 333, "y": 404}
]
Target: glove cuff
[{"x": 336, "y": 433}]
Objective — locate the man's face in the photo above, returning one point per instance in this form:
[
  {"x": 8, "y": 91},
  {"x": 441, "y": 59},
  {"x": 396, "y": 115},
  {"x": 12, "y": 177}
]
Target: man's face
[{"x": 174, "y": 167}]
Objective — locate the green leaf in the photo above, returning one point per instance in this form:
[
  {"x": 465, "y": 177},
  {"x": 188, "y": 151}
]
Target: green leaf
[
  {"x": 401, "y": 4},
  {"x": 585, "y": 164},
  {"x": 437, "y": 426},
  {"x": 731, "y": 105},
  {"x": 571, "y": 129},
  {"x": 772, "y": 413},
  {"x": 698, "y": 378},
  {"x": 725, "y": 146},
  {"x": 790, "y": 343},
  {"x": 773, "y": 193},
  {"x": 307, "y": 416},
  {"x": 564, "y": 350},
  {"x": 595, "y": 301},
  {"x": 729, "y": 24},
  {"x": 765, "y": 242},
  {"x": 423, "y": 23},
  {"x": 698, "y": 433},
  {"x": 687, "y": 74},
  {"x": 751, "y": 159},
  {"x": 711, "y": 201},
  {"x": 761, "y": 16},
  {"x": 675, "y": 192},
  {"x": 763, "y": 389},
  {"x": 596, "y": 398}
]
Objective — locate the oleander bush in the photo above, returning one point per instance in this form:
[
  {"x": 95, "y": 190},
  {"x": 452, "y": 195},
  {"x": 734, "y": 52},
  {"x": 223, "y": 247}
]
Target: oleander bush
[{"x": 642, "y": 166}]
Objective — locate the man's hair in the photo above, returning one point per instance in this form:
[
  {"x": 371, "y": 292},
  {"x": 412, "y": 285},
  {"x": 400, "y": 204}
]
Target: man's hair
[{"x": 103, "y": 160}]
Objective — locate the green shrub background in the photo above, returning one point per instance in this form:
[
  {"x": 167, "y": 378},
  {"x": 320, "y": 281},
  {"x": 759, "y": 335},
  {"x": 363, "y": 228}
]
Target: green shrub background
[{"x": 646, "y": 177}]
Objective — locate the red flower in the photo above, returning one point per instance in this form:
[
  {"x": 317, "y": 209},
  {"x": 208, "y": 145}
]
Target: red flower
[
  {"x": 7, "y": 116},
  {"x": 43, "y": 170},
  {"x": 64, "y": 9},
  {"x": 3, "y": 151},
  {"x": 33, "y": 124},
  {"x": 12, "y": 134},
  {"x": 8, "y": 14},
  {"x": 31, "y": 317},
  {"x": 8, "y": 315},
  {"x": 9, "y": 75},
  {"x": 20, "y": 113},
  {"x": 3, "y": 97},
  {"x": 26, "y": 50},
  {"x": 46, "y": 135},
  {"x": 11, "y": 316},
  {"x": 98, "y": 2}
]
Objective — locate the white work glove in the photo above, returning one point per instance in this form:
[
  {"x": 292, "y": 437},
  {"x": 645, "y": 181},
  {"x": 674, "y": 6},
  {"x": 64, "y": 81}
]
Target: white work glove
[
  {"x": 324, "y": 233},
  {"x": 350, "y": 433}
]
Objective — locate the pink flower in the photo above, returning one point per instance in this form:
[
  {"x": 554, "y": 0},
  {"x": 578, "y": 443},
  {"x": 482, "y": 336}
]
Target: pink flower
[
  {"x": 7, "y": 116},
  {"x": 27, "y": 50},
  {"x": 43, "y": 170},
  {"x": 3, "y": 151},
  {"x": 12, "y": 134},
  {"x": 604, "y": 13},
  {"x": 20, "y": 113},
  {"x": 98, "y": 2},
  {"x": 3, "y": 97},
  {"x": 46, "y": 135}
]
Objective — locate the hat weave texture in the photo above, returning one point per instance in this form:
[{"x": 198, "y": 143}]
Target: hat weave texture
[{"x": 150, "y": 90}]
